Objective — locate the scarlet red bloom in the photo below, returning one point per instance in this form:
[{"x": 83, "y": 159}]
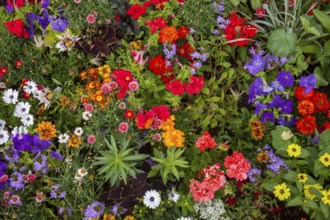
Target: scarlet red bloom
[
  {"x": 299, "y": 93},
  {"x": 313, "y": 6},
  {"x": 156, "y": 24},
  {"x": 136, "y": 11},
  {"x": 18, "y": 63},
  {"x": 305, "y": 107},
  {"x": 238, "y": 29},
  {"x": 158, "y": 67},
  {"x": 306, "y": 125},
  {"x": 237, "y": 166},
  {"x": 176, "y": 87},
  {"x": 162, "y": 112},
  {"x": 168, "y": 34},
  {"x": 129, "y": 114},
  {"x": 123, "y": 78},
  {"x": 183, "y": 31},
  {"x": 321, "y": 102},
  {"x": 326, "y": 125},
  {"x": 143, "y": 120},
  {"x": 117, "y": 18},
  {"x": 185, "y": 50},
  {"x": 260, "y": 12},
  {"x": 206, "y": 141},
  {"x": 26, "y": 95},
  {"x": 17, "y": 27},
  {"x": 195, "y": 85},
  {"x": 3, "y": 70}
]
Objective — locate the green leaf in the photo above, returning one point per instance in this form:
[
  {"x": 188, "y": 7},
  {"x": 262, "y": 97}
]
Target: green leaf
[
  {"x": 291, "y": 176},
  {"x": 325, "y": 210},
  {"x": 269, "y": 186},
  {"x": 323, "y": 18},
  {"x": 281, "y": 43},
  {"x": 324, "y": 139},
  {"x": 309, "y": 26},
  {"x": 278, "y": 142},
  {"x": 235, "y": 3},
  {"x": 312, "y": 204},
  {"x": 295, "y": 202},
  {"x": 320, "y": 81},
  {"x": 256, "y": 4}
]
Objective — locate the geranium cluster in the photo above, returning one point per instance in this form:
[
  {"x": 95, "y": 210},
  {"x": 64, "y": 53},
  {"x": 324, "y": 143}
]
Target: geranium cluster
[
  {"x": 205, "y": 142},
  {"x": 237, "y": 166},
  {"x": 311, "y": 102},
  {"x": 212, "y": 180}
]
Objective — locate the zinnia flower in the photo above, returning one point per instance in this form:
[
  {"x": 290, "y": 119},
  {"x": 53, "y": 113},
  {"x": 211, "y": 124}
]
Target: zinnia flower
[
  {"x": 282, "y": 192},
  {"x": 123, "y": 127},
  {"x": 325, "y": 159},
  {"x": 294, "y": 150},
  {"x": 168, "y": 34},
  {"x": 136, "y": 11}
]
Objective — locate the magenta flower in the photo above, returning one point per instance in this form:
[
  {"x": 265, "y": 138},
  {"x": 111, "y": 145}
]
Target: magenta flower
[
  {"x": 91, "y": 139},
  {"x": 123, "y": 127}
]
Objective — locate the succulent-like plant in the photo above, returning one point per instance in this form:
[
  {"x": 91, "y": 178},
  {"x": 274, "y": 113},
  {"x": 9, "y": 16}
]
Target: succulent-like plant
[
  {"x": 168, "y": 164},
  {"x": 119, "y": 162}
]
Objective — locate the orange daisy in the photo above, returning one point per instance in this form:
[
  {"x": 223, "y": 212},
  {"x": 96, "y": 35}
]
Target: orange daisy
[{"x": 46, "y": 130}]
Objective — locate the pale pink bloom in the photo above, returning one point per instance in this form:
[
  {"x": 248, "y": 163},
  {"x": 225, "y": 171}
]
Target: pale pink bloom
[
  {"x": 106, "y": 88},
  {"x": 133, "y": 86},
  {"x": 90, "y": 18},
  {"x": 157, "y": 137},
  {"x": 123, "y": 127},
  {"x": 91, "y": 139},
  {"x": 138, "y": 56},
  {"x": 88, "y": 107}
]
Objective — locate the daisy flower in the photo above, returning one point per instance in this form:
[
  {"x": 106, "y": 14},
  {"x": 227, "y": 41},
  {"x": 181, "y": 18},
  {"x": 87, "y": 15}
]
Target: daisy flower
[
  {"x": 30, "y": 87},
  {"x": 2, "y": 124},
  {"x": 86, "y": 116},
  {"x": 27, "y": 120},
  {"x": 82, "y": 172},
  {"x": 133, "y": 86},
  {"x": 10, "y": 96},
  {"x": 4, "y": 137},
  {"x": 46, "y": 130},
  {"x": 151, "y": 199},
  {"x": 15, "y": 200},
  {"x": 123, "y": 127},
  {"x": 122, "y": 105},
  {"x": 88, "y": 107},
  {"x": 22, "y": 109},
  {"x": 40, "y": 197},
  {"x": 94, "y": 210},
  {"x": 63, "y": 138},
  {"x": 77, "y": 1},
  {"x": 90, "y": 18},
  {"x": 78, "y": 131},
  {"x": 173, "y": 196},
  {"x": 157, "y": 137},
  {"x": 91, "y": 139},
  {"x": 67, "y": 41},
  {"x": 114, "y": 85}
]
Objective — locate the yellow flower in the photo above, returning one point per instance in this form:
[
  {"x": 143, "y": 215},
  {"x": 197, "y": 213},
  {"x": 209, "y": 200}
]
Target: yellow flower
[
  {"x": 302, "y": 177},
  {"x": 173, "y": 138},
  {"x": 326, "y": 197},
  {"x": 74, "y": 141},
  {"x": 308, "y": 190},
  {"x": 325, "y": 159},
  {"x": 168, "y": 124},
  {"x": 282, "y": 191},
  {"x": 294, "y": 150},
  {"x": 46, "y": 130},
  {"x": 129, "y": 217},
  {"x": 109, "y": 217}
]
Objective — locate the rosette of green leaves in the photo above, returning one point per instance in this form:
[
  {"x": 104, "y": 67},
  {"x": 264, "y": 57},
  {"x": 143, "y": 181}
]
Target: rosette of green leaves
[
  {"x": 169, "y": 164},
  {"x": 119, "y": 162}
]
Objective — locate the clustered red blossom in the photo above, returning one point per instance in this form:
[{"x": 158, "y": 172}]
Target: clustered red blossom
[
  {"x": 17, "y": 27},
  {"x": 308, "y": 105},
  {"x": 238, "y": 29},
  {"x": 237, "y": 166},
  {"x": 205, "y": 142},
  {"x": 153, "y": 118},
  {"x": 123, "y": 78},
  {"x": 213, "y": 179}
]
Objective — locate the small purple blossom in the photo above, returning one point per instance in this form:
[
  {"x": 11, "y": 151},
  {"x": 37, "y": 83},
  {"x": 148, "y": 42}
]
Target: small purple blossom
[
  {"x": 56, "y": 193},
  {"x": 285, "y": 78},
  {"x": 40, "y": 163},
  {"x": 257, "y": 63},
  {"x": 56, "y": 155},
  {"x": 259, "y": 107},
  {"x": 59, "y": 25},
  {"x": 277, "y": 86},
  {"x": 254, "y": 174},
  {"x": 309, "y": 82},
  {"x": 169, "y": 53},
  {"x": 286, "y": 107},
  {"x": 16, "y": 181},
  {"x": 94, "y": 210},
  {"x": 197, "y": 65}
]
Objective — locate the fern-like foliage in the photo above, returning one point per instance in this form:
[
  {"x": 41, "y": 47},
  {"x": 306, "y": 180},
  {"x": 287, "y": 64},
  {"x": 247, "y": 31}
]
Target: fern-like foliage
[
  {"x": 169, "y": 165},
  {"x": 119, "y": 162}
]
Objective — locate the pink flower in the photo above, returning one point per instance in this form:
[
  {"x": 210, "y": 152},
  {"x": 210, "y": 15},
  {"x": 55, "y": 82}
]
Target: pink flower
[
  {"x": 237, "y": 166},
  {"x": 88, "y": 107},
  {"x": 157, "y": 137},
  {"x": 123, "y": 127},
  {"x": 133, "y": 86},
  {"x": 200, "y": 192},
  {"x": 138, "y": 56},
  {"x": 195, "y": 85},
  {"x": 205, "y": 142},
  {"x": 91, "y": 139},
  {"x": 260, "y": 12},
  {"x": 106, "y": 88},
  {"x": 4, "y": 178},
  {"x": 90, "y": 18}
]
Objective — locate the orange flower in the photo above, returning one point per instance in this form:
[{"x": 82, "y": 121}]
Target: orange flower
[
  {"x": 257, "y": 133},
  {"x": 64, "y": 101},
  {"x": 262, "y": 157},
  {"x": 168, "y": 33},
  {"x": 46, "y": 130},
  {"x": 305, "y": 107},
  {"x": 74, "y": 141},
  {"x": 83, "y": 75}
]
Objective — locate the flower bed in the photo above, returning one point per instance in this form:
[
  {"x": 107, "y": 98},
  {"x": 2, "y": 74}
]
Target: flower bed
[{"x": 164, "y": 109}]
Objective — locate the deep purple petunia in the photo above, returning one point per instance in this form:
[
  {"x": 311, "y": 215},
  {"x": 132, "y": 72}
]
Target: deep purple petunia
[
  {"x": 259, "y": 107},
  {"x": 276, "y": 85},
  {"x": 290, "y": 122},
  {"x": 285, "y": 78},
  {"x": 286, "y": 107},
  {"x": 256, "y": 64},
  {"x": 56, "y": 155},
  {"x": 59, "y": 25},
  {"x": 309, "y": 82},
  {"x": 255, "y": 89},
  {"x": 94, "y": 210},
  {"x": 267, "y": 117},
  {"x": 45, "y": 19},
  {"x": 45, "y": 3}
]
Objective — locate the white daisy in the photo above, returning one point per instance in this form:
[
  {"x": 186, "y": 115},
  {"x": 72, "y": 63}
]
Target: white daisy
[
  {"x": 10, "y": 96},
  {"x": 63, "y": 138},
  {"x": 22, "y": 109},
  {"x": 151, "y": 199},
  {"x": 45, "y": 97},
  {"x": 122, "y": 105},
  {"x": 77, "y": 178},
  {"x": 185, "y": 218},
  {"x": 173, "y": 196},
  {"x": 67, "y": 41},
  {"x": 86, "y": 116},
  {"x": 30, "y": 87},
  {"x": 38, "y": 41},
  {"x": 27, "y": 120},
  {"x": 82, "y": 172},
  {"x": 78, "y": 131},
  {"x": 19, "y": 130},
  {"x": 2, "y": 124},
  {"x": 4, "y": 137}
]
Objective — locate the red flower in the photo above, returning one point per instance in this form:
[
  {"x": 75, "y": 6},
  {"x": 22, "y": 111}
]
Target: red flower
[
  {"x": 129, "y": 114},
  {"x": 3, "y": 71},
  {"x": 156, "y": 24},
  {"x": 26, "y": 95},
  {"x": 176, "y": 87},
  {"x": 123, "y": 78},
  {"x": 237, "y": 166},
  {"x": 326, "y": 125},
  {"x": 146, "y": 4},
  {"x": 230, "y": 201},
  {"x": 183, "y": 31},
  {"x": 195, "y": 85},
  {"x": 158, "y": 67},
  {"x": 260, "y": 12},
  {"x": 185, "y": 50},
  {"x": 313, "y": 6},
  {"x": 17, "y": 27},
  {"x": 298, "y": 93},
  {"x": 205, "y": 142},
  {"x": 305, "y": 107},
  {"x": 321, "y": 102},
  {"x": 18, "y": 63},
  {"x": 166, "y": 78},
  {"x": 306, "y": 125},
  {"x": 117, "y": 18},
  {"x": 136, "y": 11},
  {"x": 238, "y": 29},
  {"x": 162, "y": 112}
]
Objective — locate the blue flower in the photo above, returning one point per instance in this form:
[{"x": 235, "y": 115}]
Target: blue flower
[
  {"x": 256, "y": 64},
  {"x": 259, "y": 107},
  {"x": 253, "y": 174},
  {"x": 45, "y": 3},
  {"x": 59, "y": 25},
  {"x": 277, "y": 86},
  {"x": 94, "y": 210},
  {"x": 267, "y": 117},
  {"x": 56, "y": 155},
  {"x": 286, "y": 107},
  {"x": 285, "y": 78},
  {"x": 16, "y": 181},
  {"x": 255, "y": 89},
  {"x": 45, "y": 19},
  {"x": 309, "y": 82}
]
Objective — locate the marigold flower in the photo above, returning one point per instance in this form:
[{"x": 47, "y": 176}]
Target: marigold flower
[
  {"x": 46, "y": 130},
  {"x": 74, "y": 141},
  {"x": 183, "y": 31},
  {"x": 168, "y": 34},
  {"x": 299, "y": 93},
  {"x": 306, "y": 125},
  {"x": 321, "y": 102},
  {"x": 282, "y": 192},
  {"x": 305, "y": 107},
  {"x": 173, "y": 138}
]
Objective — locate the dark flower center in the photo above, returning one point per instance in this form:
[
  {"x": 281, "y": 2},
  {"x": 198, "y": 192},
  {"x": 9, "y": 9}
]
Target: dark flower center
[
  {"x": 152, "y": 199},
  {"x": 282, "y": 191}
]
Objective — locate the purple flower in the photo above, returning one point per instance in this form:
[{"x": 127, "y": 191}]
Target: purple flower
[
  {"x": 197, "y": 65},
  {"x": 62, "y": 210},
  {"x": 277, "y": 86},
  {"x": 40, "y": 163},
  {"x": 56, "y": 193},
  {"x": 16, "y": 181},
  {"x": 276, "y": 164},
  {"x": 256, "y": 64},
  {"x": 259, "y": 107},
  {"x": 286, "y": 107},
  {"x": 169, "y": 54},
  {"x": 215, "y": 32},
  {"x": 309, "y": 82},
  {"x": 285, "y": 78},
  {"x": 290, "y": 122},
  {"x": 192, "y": 71},
  {"x": 195, "y": 55},
  {"x": 117, "y": 210},
  {"x": 11, "y": 155},
  {"x": 59, "y": 25},
  {"x": 56, "y": 155},
  {"x": 94, "y": 210},
  {"x": 277, "y": 102},
  {"x": 9, "y": 8},
  {"x": 254, "y": 89},
  {"x": 267, "y": 117},
  {"x": 45, "y": 3},
  {"x": 253, "y": 174},
  {"x": 45, "y": 19},
  {"x": 204, "y": 56}
]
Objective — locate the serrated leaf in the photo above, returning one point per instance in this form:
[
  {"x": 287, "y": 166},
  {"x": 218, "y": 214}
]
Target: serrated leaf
[{"x": 281, "y": 43}]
